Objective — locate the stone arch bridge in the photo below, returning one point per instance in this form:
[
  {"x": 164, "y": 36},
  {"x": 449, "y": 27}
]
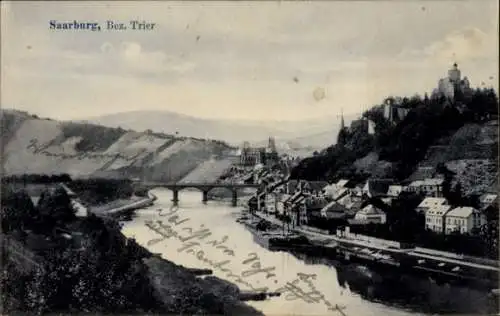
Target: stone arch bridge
[{"x": 204, "y": 187}]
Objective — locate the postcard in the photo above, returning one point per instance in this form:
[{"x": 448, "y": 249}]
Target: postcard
[{"x": 249, "y": 157}]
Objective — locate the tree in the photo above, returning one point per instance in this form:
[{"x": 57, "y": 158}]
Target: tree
[
  {"x": 18, "y": 210},
  {"x": 342, "y": 137},
  {"x": 56, "y": 205},
  {"x": 455, "y": 197}
]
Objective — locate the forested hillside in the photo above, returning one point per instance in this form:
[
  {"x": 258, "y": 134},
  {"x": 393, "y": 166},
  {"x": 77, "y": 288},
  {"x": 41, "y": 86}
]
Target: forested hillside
[{"x": 465, "y": 129}]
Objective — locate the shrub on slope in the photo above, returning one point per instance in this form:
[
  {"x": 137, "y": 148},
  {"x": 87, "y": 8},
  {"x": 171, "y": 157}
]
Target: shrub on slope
[{"x": 94, "y": 137}]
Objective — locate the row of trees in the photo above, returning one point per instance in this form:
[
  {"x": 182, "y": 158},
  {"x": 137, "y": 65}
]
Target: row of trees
[
  {"x": 107, "y": 275},
  {"x": 37, "y": 178},
  {"x": 19, "y": 213},
  {"x": 96, "y": 191}
]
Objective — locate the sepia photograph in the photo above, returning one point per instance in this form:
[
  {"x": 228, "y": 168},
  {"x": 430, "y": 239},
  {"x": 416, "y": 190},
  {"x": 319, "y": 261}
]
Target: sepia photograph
[{"x": 249, "y": 158}]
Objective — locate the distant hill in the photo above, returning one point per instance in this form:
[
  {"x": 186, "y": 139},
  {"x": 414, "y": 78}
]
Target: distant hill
[
  {"x": 308, "y": 142},
  {"x": 43, "y": 146},
  {"x": 232, "y": 131}
]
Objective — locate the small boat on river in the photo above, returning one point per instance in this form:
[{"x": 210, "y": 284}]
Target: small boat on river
[{"x": 273, "y": 238}]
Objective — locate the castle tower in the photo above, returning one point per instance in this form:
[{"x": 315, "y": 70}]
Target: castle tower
[
  {"x": 388, "y": 109},
  {"x": 454, "y": 74}
]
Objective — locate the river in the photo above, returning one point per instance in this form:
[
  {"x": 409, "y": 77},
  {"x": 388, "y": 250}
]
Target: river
[{"x": 323, "y": 283}]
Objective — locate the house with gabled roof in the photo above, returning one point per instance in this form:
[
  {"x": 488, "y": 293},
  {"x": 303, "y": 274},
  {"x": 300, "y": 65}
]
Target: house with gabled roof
[
  {"x": 295, "y": 205},
  {"x": 333, "y": 210},
  {"x": 432, "y": 187},
  {"x": 487, "y": 200},
  {"x": 313, "y": 207},
  {"x": 376, "y": 187},
  {"x": 370, "y": 214},
  {"x": 414, "y": 186},
  {"x": 336, "y": 193},
  {"x": 429, "y": 202},
  {"x": 309, "y": 186},
  {"x": 435, "y": 217},
  {"x": 394, "y": 190},
  {"x": 463, "y": 219},
  {"x": 350, "y": 202},
  {"x": 280, "y": 207},
  {"x": 345, "y": 183}
]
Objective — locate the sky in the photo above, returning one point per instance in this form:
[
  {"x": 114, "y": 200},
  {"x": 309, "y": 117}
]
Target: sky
[{"x": 240, "y": 60}]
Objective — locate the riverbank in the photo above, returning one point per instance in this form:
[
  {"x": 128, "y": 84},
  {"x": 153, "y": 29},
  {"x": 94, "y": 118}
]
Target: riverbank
[
  {"x": 120, "y": 206},
  {"x": 181, "y": 290},
  {"x": 241, "y": 202},
  {"x": 185, "y": 290},
  {"x": 375, "y": 252}
]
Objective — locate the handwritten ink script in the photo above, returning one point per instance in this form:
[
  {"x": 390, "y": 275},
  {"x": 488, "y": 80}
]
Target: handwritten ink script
[
  {"x": 193, "y": 241},
  {"x": 37, "y": 148}
]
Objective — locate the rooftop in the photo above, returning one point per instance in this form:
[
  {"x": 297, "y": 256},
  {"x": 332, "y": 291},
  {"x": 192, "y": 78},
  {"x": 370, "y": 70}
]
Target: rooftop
[
  {"x": 394, "y": 190},
  {"x": 332, "y": 207},
  {"x": 377, "y": 187},
  {"x": 416, "y": 183},
  {"x": 370, "y": 210},
  {"x": 433, "y": 181},
  {"x": 432, "y": 201},
  {"x": 487, "y": 198},
  {"x": 462, "y": 211},
  {"x": 349, "y": 202},
  {"x": 342, "y": 182},
  {"x": 312, "y": 185},
  {"x": 438, "y": 210}
]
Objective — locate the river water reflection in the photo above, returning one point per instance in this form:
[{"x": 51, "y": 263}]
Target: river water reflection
[{"x": 311, "y": 286}]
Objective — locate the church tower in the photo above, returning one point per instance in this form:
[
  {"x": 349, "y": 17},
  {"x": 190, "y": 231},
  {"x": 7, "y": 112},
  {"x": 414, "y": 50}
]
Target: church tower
[
  {"x": 342, "y": 124},
  {"x": 271, "y": 145},
  {"x": 341, "y": 137}
]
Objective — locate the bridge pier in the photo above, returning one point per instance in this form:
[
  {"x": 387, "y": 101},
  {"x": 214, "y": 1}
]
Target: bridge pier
[
  {"x": 204, "y": 187},
  {"x": 234, "y": 200},
  {"x": 175, "y": 199}
]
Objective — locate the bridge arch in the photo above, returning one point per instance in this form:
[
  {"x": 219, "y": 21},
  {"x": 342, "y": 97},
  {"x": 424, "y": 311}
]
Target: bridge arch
[{"x": 205, "y": 188}]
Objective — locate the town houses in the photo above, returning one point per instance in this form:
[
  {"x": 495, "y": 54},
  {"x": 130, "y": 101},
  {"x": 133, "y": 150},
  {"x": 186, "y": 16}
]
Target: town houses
[
  {"x": 435, "y": 217},
  {"x": 350, "y": 202},
  {"x": 429, "y": 187},
  {"x": 463, "y": 219},
  {"x": 345, "y": 202}
]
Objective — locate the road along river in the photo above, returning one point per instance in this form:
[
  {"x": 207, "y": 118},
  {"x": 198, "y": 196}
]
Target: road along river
[{"x": 206, "y": 236}]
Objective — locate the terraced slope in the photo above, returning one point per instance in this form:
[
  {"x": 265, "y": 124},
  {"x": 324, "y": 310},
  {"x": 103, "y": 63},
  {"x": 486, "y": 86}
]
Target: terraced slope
[
  {"x": 208, "y": 171},
  {"x": 471, "y": 152},
  {"x": 42, "y": 146}
]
